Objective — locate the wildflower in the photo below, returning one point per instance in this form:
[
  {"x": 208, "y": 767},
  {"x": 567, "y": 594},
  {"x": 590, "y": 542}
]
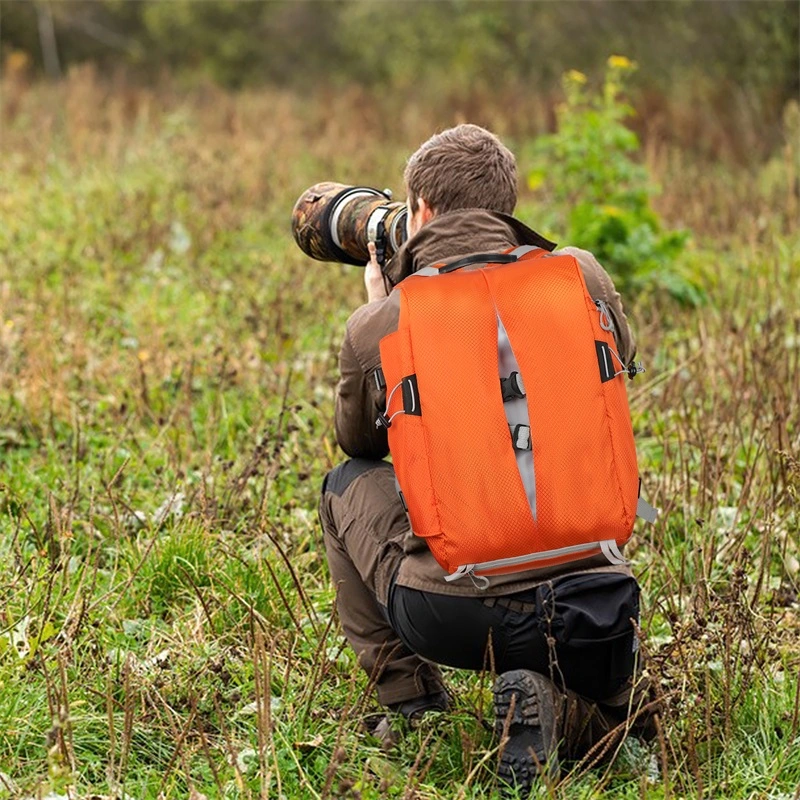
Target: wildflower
[
  {"x": 574, "y": 76},
  {"x": 621, "y": 62},
  {"x": 536, "y": 179}
]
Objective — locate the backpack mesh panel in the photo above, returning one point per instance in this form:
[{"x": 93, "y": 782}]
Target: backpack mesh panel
[{"x": 455, "y": 462}]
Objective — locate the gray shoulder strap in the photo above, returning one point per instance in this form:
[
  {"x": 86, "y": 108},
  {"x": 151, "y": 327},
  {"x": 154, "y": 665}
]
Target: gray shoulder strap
[
  {"x": 645, "y": 511},
  {"x": 525, "y": 248},
  {"x": 426, "y": 271}
]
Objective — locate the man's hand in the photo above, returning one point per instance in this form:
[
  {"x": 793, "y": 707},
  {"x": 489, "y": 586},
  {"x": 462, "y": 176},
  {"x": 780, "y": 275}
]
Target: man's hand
[{"x": 373, "y": 277}]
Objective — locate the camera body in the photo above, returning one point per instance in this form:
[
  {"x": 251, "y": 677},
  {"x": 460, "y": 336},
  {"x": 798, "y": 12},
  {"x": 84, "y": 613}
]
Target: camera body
[{"x": 335, "y": 222}]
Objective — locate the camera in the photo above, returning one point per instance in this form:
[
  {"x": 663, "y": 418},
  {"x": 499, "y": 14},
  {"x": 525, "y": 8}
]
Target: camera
[{"x": 335, "y": 222}]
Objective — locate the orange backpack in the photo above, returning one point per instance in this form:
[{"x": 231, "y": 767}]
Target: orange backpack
[{"x": 507, "y": 415}]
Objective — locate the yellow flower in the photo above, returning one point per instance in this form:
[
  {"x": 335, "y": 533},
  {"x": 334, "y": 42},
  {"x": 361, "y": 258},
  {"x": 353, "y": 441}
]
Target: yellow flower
[
  {"x": 621, "y": 62},
  {"x": 573, "y": 76},
  {"x": 535, "y": 180}
]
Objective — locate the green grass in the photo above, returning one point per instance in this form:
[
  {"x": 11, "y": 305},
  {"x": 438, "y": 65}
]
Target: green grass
[{"x": 167, "y": 369}]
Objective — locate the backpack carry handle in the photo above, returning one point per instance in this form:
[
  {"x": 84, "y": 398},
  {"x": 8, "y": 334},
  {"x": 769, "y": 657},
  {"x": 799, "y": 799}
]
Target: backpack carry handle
[
  {"x": 479, "y": 258},
  {"x": 491, "y": 258}
]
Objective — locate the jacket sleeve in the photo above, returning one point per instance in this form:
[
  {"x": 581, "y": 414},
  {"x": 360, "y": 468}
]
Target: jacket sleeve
[
  {"x": 601, "y": 287},
  {"x": 358, "y": 402}
]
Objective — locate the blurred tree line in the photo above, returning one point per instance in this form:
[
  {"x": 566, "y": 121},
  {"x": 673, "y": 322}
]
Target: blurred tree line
[
  {"x": 292, "y": 42},
  {"x": 712, "y": 51}
]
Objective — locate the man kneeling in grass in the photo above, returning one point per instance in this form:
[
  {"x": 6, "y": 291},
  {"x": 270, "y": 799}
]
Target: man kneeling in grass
[{"x": 561, "y": 638}]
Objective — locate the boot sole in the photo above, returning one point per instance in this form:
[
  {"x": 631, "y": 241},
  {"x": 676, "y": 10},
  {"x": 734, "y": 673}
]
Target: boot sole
[{"x": 530, "y": 752}]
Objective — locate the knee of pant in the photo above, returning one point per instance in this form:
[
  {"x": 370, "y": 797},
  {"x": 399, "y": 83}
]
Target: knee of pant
[{"x": 341, "y": 476}]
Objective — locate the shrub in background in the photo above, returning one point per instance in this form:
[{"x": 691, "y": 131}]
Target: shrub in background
[{"x": 598, "y": 194}]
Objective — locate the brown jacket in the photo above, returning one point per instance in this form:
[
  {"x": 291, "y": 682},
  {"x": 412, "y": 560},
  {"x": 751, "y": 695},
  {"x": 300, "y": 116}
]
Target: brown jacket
[{"x": 358, "y": 399}]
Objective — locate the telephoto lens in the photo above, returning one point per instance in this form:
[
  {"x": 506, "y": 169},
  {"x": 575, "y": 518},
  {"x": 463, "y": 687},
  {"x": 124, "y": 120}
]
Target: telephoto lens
[{"x": 335, "y": 222}]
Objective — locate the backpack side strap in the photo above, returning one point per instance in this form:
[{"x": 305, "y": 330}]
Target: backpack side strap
[{"x": 645, "y": 511}]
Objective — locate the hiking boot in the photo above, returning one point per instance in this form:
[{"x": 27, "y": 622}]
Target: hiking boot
[
  {"x": 526, "y": 710},
  {"x": 386, "y": 727}
]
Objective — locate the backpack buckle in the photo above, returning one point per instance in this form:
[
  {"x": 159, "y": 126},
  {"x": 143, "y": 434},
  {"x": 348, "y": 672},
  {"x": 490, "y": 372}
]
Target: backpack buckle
[
  {"x": 383, "y": 421},
  {"x": 521, "y": 437},
  {"x": 512, "y": 387}
]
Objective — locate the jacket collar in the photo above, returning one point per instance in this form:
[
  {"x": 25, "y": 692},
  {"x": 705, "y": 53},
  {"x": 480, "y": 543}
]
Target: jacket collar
[{"x": 459, "y": 233}]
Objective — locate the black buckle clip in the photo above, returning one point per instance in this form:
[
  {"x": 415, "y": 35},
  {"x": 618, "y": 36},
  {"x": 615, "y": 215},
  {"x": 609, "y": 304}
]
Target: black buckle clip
[
  {"x": 512, "y": 387},
  {"x": 383, "y": 421}
]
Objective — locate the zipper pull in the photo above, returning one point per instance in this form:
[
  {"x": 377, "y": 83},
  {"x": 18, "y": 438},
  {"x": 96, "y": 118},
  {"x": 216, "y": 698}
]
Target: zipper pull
[
  {"x": 464, "y": 569},
  {"x": 468, "y": 570},
  {"x": 635, "y": 368}
]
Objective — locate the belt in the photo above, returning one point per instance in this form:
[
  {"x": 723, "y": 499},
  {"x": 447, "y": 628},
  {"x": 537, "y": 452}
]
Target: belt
[{"x": 518, "y": 606}]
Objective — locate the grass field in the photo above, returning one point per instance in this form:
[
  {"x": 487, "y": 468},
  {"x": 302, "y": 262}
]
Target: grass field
[{"x": 167, "y": 368}]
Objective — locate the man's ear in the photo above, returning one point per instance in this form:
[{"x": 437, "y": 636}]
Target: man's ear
[{"x": 426, "y": 212}]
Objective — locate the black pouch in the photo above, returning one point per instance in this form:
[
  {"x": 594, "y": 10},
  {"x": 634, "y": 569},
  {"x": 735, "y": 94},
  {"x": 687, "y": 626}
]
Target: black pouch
[{"x": 588, "y": 618}]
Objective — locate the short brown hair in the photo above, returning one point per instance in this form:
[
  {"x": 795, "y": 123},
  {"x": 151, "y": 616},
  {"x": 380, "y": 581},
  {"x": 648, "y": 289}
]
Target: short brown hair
[{"x": 463, "y": 167}]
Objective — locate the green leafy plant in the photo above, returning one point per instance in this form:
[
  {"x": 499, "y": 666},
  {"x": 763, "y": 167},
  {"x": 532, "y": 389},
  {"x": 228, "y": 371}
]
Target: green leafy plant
[{"x": 601, "y": 193}]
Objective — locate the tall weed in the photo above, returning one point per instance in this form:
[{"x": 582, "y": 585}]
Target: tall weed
[{"x": 599, "y": 194}]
